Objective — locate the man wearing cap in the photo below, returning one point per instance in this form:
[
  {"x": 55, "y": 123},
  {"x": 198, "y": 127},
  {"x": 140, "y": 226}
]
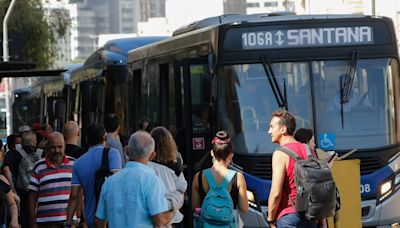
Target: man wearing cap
[{"x": 11, "y": 169}]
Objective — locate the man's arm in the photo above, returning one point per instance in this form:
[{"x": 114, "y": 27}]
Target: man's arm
[
  {"x": 32, "y": 199},
  {"x": 157, "y": 203},
  {"x": 80, "y": 205},
  {"x": 278, "y": 177},
  {"x": 163, "y": 218},
  {"x": 72, "y": 203}
]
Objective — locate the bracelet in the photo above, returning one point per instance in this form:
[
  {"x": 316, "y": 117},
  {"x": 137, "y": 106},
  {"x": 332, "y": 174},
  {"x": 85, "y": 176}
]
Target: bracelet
[{"x": 271, "y": 221}]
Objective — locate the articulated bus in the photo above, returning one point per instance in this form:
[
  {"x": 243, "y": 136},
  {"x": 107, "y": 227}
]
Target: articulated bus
[
  {"x": 84, "y": 93},
  {"x": 100, "y": 85},
  {"x": 44, "y": 102},
  {"x": 338, "y": 74}
]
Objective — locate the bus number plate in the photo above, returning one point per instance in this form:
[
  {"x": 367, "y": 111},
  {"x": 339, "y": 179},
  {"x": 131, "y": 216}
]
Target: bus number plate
[{"x": 365, "y": 188}]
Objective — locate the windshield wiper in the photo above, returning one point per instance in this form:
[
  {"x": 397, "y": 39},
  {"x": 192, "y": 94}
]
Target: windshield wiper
[
  {"x": 346, "y": 83},
  {"x": 279, "y": 97}
]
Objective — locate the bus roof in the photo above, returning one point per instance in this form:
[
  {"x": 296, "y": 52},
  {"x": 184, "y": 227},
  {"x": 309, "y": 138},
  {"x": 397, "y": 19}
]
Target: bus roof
[
  {"x": 207, "y": 33},
  {"x": 114, "y": 52},
  {"x": 253, "y": 18},
  {"x": 71, "y": 68}
]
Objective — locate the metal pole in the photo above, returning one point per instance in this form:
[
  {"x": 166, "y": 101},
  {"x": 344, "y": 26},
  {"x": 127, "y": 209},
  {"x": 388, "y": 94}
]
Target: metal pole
[
  {"x": 6, "y": 57},
  {"x": 373, "y": 7}
]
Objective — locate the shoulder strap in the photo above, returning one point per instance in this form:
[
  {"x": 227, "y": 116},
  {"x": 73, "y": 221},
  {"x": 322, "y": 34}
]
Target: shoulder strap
[
  {"x": 22, "y": 152},
  {"x": 210, "y": 178},
  {"x": 309, "y": 153},
  {"x": 104, "y": 159},
  {"x": 289, "y": 152},
  {"x": 228, "y": 178}
]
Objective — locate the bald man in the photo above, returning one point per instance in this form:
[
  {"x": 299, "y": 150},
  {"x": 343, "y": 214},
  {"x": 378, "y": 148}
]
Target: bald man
[
  {"x": 71, "y": 135},
  {"x": 45, "y": 211}
]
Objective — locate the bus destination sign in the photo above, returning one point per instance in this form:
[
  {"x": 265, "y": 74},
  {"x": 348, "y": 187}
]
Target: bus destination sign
[{"x": 307, "y": 37}]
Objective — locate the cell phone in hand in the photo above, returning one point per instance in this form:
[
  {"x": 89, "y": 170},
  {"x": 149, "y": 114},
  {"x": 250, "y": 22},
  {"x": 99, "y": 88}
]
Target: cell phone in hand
[{"x": 331, "y": 156}]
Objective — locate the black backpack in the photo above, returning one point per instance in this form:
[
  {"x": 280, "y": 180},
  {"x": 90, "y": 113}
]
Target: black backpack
[
  {"x": 101, "y": 174},
  {"x": 316, "y": 189}
]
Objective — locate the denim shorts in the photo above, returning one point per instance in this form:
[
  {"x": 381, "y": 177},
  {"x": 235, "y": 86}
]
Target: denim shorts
[{"x": 295, "y": 220}]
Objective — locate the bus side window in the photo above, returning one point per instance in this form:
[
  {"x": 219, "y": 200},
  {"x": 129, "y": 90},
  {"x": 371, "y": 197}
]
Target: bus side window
[{"x": 200, "y": 86}]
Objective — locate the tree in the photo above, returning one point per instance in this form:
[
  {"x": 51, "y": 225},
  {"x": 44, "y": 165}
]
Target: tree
[{"x": 40, "y": 32}]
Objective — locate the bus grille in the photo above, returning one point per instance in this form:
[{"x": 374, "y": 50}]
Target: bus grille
[
  {"x": 369, "y": 165},
  {"x": 262, "y": 170}
]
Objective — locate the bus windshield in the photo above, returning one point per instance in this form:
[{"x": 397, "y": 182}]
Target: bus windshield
[
  {"x": 247, "y": 102},
  {"x": 367, "y": 120}
]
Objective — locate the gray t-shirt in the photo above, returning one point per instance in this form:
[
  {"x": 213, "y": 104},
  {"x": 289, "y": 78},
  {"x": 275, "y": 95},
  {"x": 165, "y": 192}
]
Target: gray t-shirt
[{"x": 116, "y": 144}]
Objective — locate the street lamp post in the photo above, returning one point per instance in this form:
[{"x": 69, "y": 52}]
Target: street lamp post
[{"x": 6, "y": 57}]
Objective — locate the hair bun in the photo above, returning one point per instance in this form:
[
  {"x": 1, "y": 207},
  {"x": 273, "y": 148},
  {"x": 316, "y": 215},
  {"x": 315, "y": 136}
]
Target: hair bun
[{"x": 221, "y": 137}]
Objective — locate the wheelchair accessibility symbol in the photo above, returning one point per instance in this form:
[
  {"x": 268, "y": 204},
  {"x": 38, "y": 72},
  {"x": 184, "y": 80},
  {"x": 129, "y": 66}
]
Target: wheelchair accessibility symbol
[{"x": 327, "y": 141}]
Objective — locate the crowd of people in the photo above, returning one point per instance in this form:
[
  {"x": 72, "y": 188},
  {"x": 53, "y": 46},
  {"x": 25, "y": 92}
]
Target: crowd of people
[{"x": 48, "y": 180}]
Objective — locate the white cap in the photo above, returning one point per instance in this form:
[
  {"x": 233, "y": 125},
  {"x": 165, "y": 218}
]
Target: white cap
[{"x": 24, "y": 128}]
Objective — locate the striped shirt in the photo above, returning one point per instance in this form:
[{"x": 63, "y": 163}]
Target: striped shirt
[{"x": 53, "y": 186}]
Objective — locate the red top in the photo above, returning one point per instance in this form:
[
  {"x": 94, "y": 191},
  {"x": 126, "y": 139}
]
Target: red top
[{"x": 289, "y": 187}]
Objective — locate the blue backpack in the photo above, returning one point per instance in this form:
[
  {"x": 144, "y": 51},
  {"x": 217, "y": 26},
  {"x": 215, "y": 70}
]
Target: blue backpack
[{"x": 217, "y": 208}]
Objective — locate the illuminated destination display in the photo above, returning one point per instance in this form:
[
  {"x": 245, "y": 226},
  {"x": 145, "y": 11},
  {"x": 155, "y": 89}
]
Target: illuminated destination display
[{"x": 307, "y": 37}]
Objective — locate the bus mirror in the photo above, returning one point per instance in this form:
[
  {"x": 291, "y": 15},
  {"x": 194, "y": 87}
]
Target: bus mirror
[
  {"x": 211, "y": 63},
  {"x": 59, "y": 109}
]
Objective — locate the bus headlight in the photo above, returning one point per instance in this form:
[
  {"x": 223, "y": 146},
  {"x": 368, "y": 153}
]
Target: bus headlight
[
  {"x": 389, "y": 187},
  {"x": 392, "y": 184},
  {"x": 385, "y": 187}
]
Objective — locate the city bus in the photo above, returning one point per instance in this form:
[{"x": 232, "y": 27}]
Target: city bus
[
  {"x": 100, "y": 85},
  {"x": 44, "y": 102},
  {"x": 84, "y": 92},
  {"x": 338, "y": 74}
]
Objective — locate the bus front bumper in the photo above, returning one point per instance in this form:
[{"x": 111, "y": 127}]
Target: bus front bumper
[{"x": 383, "y": 214}]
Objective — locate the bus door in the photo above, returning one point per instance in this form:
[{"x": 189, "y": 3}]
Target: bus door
[{"x": 193, "y": 112}]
